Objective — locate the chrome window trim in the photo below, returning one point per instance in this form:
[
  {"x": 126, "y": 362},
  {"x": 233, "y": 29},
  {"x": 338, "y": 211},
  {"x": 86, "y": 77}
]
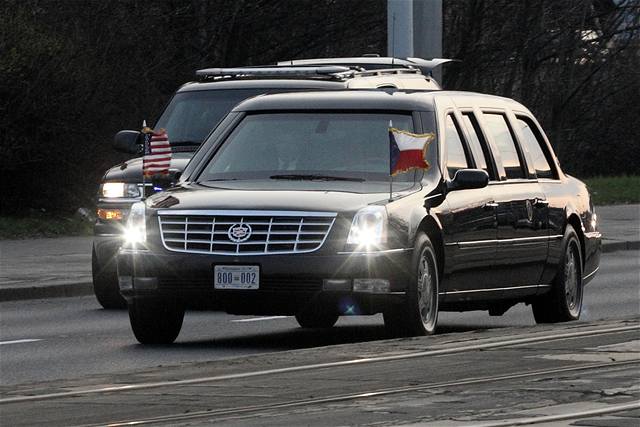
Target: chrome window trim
[{"x": 168, "y": 213}]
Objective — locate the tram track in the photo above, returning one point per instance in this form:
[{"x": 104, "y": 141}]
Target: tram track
[
  {"x": 254, "y": 410},
  {"x": 478, "y": 346}
]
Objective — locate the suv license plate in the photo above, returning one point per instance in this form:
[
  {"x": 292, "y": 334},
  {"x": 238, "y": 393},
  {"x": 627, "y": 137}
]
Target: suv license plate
[{"x": 236, "y": 277}]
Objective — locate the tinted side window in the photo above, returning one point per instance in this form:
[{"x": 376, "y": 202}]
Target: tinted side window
[
  {"x": 456, "y": 157},
  {"x": 477, "y": 147},
  {"x": 497, "y": 126},
  {"x": 534, "y": 144}
]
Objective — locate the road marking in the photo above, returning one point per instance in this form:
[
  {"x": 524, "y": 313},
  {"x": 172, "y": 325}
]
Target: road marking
[
  {"x": 18, "y": 341},
  {"x": 258, "y": 319},
  {"x": 465, "y": 348}
]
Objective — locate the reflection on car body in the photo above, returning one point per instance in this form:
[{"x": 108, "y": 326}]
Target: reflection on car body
[{"x": 286, "y": 210}]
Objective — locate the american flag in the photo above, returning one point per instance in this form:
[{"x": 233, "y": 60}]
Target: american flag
[{"x": 157, "y": 153}]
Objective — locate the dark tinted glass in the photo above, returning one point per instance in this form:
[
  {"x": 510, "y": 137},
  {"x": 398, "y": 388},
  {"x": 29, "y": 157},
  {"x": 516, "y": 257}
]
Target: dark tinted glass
[
  {"x": 498, "y": 127},
  {"x": 474, "y": 141},
  {"x": 456, "y": 158},
  {"x": 534, "y": 145},
  {"x": 190, "y": 116},
  {"x": 336, "y": 144}
]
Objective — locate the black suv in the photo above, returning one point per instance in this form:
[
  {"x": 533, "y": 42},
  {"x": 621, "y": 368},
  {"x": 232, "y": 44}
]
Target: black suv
[
  {"x": 288, "y": 208},
  {"x": 198, "y": 106}
]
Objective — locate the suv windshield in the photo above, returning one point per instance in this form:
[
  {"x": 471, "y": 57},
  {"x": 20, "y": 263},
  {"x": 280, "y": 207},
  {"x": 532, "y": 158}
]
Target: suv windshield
[
  {"x": 190, "y": 116},
  {"x": 313, "y": 146}
]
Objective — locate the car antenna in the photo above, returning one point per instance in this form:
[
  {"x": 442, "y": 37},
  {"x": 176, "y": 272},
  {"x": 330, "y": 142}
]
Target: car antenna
[{"x": 393, "y": 41}]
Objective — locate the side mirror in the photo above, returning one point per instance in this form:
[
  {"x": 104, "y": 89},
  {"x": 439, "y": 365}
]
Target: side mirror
[
  {"x": 126, "y": 141},
  {"x": 466, "y": 179}
]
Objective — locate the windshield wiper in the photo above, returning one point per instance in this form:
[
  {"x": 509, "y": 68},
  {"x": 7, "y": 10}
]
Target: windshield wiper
[{"x": 312, "y": 177}]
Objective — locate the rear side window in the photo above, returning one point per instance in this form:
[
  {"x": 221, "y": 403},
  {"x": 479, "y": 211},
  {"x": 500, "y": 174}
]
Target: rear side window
[
  {"x": 534, "y": 143},
  {"x": 499, "y": 129},
  {"x": 477, "y": 148},
  {"x": 456, "y": 157}
]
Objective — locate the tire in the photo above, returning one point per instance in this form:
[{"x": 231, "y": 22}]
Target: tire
[
  {"x": 317, "y": 318},
  {"x": 564, "y": 302},
  {"x": 418, "y": 315},
  {"x": 156, "y": 321},
  {"x": 105, "y": 285}
]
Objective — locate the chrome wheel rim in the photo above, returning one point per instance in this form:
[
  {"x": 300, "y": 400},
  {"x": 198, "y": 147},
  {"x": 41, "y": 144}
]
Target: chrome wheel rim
[
  {"x": 572, "y": 290},
  {"x": 427, "y": 290}
]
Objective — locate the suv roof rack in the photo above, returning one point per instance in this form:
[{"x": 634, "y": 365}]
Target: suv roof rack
[
  {"x": 371, "y": 62},
  {"x": 326, "y": 72},
  {"x": 389, "y": 71}
]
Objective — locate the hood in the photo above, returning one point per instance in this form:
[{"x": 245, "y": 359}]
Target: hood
[
  {"x": 131, "y": 170},
  {"x": 335, "y": 196}
]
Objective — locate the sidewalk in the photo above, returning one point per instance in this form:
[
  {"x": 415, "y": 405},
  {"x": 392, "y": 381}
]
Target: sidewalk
[{"x": 60, "y": 267}]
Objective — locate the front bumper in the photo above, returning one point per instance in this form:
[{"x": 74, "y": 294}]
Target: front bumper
[{"x": 287, "y": 282}]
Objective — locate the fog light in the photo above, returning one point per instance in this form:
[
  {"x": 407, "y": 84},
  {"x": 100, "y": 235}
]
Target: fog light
[
  {"x": 145, "y": 283},
  {"x": 374, "y": 286},
  {"x": 110, "y": 214},
  {"x": 336, "y": 285},
  {"x": 125, "y": 283}
]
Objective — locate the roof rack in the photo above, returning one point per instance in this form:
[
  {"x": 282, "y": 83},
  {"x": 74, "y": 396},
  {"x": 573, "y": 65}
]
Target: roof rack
[
  {"x": 331, "y": 72},
  {"x": 389, "y": 71},
  {"x": 371, "y": 62}
]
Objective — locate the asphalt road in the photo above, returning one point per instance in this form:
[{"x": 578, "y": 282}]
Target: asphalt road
[{"x": 69, "y": 338}]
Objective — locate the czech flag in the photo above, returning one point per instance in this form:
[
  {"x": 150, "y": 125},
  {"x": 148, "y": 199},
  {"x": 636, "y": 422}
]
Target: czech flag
[{"x": 408, "y": 150}]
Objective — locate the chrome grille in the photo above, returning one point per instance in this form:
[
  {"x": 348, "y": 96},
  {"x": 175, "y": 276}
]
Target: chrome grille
[{"x": 271, "y": 232}]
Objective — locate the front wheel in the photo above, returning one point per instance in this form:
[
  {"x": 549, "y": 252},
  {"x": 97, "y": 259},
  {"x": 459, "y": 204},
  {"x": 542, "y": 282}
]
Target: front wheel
[
  {"x": 156, "y": 321},
  {"x": 419, "y": 313},
  {"x": 105, "y": 284},
  {"x": 564, "y": 302}
]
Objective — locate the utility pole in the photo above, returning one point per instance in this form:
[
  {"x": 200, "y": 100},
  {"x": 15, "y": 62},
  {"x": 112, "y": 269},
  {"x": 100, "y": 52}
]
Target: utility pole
[{"x": 414, "y": 28}]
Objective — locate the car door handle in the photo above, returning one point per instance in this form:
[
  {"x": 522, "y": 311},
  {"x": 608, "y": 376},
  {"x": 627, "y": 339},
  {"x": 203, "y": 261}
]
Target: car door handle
[
  {"x": 540, "y": 203},
  {"x": 490, "y": 205}
]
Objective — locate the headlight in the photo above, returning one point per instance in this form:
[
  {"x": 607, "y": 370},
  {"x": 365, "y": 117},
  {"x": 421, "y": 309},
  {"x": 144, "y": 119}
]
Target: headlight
[
  {"x": 135, "y": 230},
  {"x": 368, "y": 227},
  {"x": 110, "y": 190}
]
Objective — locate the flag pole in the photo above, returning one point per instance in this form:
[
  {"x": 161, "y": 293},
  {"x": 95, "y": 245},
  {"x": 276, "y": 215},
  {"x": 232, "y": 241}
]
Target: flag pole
[
  {"x": 390, "y": 161},
  {"x": 144, "y": 149}
]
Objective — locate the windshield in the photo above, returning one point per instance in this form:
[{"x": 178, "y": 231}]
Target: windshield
[
  {"x": 324, "y": 146},
  {"x": 190, "y": 116}
]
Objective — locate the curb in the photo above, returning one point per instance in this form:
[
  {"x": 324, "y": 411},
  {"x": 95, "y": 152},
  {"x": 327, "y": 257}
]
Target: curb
[
  {"x": 86, "y": 288},
  {"x": 47, "y": 291}
]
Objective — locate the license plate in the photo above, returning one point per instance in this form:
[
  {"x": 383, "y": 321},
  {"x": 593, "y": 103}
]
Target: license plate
[{"x": 236, "y": 277}]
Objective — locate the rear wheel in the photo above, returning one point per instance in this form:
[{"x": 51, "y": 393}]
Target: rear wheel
[
  {"x": 419, "y": 313},
  {"x": 564, "y": 302},
  {"x": 105, "y": 284},
  {"x": 317, "y": 318},
  {"x": 156, "y": 321}
]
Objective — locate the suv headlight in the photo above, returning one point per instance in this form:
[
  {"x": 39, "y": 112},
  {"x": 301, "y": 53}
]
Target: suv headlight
[
  {"x": 111, "y": 190},
  {"x": 368, "y": 227},
  {"x": 135, "y": 230}
]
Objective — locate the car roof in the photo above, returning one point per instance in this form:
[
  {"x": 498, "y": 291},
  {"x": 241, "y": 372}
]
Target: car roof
[
  {"x": 262, "y": 84},
  {"x": 369, "y": 99}
]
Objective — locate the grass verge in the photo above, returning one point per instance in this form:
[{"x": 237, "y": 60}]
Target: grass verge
[
  {"x": 42, "y": 226},
  {"x": 614, "y": 190}
]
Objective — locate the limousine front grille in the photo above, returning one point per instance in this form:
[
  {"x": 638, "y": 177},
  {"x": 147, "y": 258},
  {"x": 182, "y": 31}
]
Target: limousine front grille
[{"x": 244, "y": 232}]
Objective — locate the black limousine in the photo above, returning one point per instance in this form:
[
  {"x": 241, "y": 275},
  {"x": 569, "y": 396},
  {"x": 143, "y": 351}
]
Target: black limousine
[{"x": 289, "y": 208}]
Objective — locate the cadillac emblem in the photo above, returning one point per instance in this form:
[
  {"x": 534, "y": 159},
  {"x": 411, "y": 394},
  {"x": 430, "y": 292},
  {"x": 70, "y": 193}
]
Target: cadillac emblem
[{"x": 239, "y": 233}]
